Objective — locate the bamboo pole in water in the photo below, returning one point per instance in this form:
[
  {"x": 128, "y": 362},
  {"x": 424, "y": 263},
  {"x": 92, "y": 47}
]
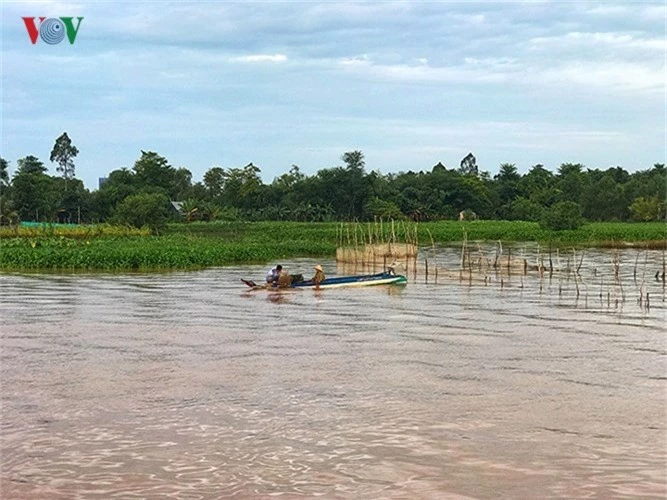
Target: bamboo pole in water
[
  {"x": 414, "y": 268},
  {"x": 499, "y": 253},
  {"x": 581, "y": 261},
  {"x": 435, "y": 260},
  {"x": 463, "y": 250},
  {"x": 540, "y": 266},
  {"x": 642, "y": 288},
  {"x": 407, "y": 244}
]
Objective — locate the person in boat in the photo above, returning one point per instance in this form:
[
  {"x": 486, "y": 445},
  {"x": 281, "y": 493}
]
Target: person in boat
[
  {"x": 319, "y": 275},
  {"x": 273, "y": 275}
]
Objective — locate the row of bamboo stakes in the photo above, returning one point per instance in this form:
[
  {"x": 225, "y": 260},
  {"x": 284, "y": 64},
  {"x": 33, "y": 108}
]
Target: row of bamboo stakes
[{"x": 391, "y": 242}]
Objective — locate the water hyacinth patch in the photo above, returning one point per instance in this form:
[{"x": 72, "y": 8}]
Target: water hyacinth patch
[{"x": 197, "y": 245}]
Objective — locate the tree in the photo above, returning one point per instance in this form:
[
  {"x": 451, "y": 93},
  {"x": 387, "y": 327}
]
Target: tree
[
  {"x": 63, "y": 153},
  {"x": 604, "y": 199},
  {"x": 469, "y": 165},
  {"x": 243, "y": 187},
  {"x": 151, "y": 169},
  {"x": 34, "y": 196},
  {"x": 7, "y": 213},
  {"x": 209, "y": 211},
  {"x": 538, "y": 186},
  {"x": 290, "y": 179},
  {"x": 180, "y": 184},
  {"x": 4, "y": 172},
  {"x": 153, "y": 172},
  {"x": 30, "y": 165},
  {"x": 647, "y": 209},
  {"x": 381, "y": 208},
  {"x": 190, "y": 208},
  {"x": 562, "y": 215},
  {"x": 523, "y": 209},
  {"x": 571, "y": 182},
  {"x": 354, "y": 160},
  {"x": 144, "y": 209},
  {"x": 507, "y": 182},
  {"x": 214, "y": 180},
  {"x": 354, "y": 183}
]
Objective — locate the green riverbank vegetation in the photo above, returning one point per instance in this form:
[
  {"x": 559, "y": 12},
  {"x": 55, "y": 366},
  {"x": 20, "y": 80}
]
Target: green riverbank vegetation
[
  {"x": 153, "y": 192},
  {"x": 154, "y": 215},
  {"x": 205, "y": 244}
]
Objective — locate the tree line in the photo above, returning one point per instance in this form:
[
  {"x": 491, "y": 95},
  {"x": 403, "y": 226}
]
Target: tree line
[{"x": 142, "y": 194}]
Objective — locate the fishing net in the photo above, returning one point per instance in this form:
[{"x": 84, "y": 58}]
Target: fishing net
[{"x": 284, "y": 280}]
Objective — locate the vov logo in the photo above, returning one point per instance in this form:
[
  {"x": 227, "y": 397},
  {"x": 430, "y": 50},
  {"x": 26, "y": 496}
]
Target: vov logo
[{"x": 53, "y": 29}]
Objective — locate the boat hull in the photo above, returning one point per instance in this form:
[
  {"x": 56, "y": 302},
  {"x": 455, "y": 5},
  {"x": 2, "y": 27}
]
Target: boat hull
[
  {"x": 356, "y": 281},
  {"x": 341, "y": 282}
]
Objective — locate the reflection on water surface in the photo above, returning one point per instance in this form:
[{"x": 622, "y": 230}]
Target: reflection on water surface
[{"x": 189, "y": 386}]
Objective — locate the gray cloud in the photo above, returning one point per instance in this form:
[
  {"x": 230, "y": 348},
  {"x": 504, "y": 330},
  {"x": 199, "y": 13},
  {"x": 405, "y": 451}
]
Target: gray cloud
[{"x": 308, "y": 77}]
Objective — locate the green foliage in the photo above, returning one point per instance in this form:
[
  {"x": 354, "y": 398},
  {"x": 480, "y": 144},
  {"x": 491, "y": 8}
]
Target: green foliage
[
  {"x": 381, "y": 208},
  {"x": 63, "y": 153},
  {"x": 562, "y": 215},
  {"x": 4, "y": 172},
  {"x": 526, "y": 210},
  {"x": 34, "y": 196},
  {"x": 8, "y": 215},
  {"x": 647, "y": 209},
  {"x": 342, "y": 193},
  {"x": 201, "y": 244},
  {"x": 354, "y": 160},
  {"x": 30, "y": 165},
  {"x": 468, "y": 165},
  {"x": 150, "y": 210}
]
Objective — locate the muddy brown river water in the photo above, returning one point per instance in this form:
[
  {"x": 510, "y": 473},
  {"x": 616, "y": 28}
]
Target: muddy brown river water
[{"x": 185, "y": 385}]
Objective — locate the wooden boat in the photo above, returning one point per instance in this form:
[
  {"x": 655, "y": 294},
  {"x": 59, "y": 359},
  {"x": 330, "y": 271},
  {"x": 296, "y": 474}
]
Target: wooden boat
[{"x": 386, "y": 278}]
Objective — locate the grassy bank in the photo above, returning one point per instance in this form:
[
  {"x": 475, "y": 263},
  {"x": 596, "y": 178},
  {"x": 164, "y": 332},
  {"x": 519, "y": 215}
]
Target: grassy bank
[
  {"x": 196, "y": 245},
  {"x": 151, "y": 252},
  {"x": 592, "y": 234}
]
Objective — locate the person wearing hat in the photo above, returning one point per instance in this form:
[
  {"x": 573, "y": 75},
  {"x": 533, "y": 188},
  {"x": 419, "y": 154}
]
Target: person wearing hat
[{"x": 319, "y": 275}]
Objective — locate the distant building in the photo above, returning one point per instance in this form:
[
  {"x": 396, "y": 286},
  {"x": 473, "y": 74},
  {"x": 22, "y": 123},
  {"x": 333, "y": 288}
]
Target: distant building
[
  {"x": 101, "y": 181},
  {"x": 178, "y": 206}
]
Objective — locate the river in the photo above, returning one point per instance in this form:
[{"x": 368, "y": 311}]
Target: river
[{"x": 187, "y": 385}]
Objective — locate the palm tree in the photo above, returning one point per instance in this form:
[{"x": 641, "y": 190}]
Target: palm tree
[
  {"x": 189, "y": 208},
  {"x": 210, "y": 211}
]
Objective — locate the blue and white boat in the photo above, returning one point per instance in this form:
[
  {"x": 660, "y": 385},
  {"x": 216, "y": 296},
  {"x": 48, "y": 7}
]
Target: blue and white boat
[{"x": 385, "y": 278}]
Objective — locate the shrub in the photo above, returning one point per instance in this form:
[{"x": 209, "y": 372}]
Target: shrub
[
  {"x": 377, "y": 207},
  {"x": 139, "y": 210}
]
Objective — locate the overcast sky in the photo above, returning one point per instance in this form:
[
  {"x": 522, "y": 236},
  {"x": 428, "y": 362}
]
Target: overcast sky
[{"x": 278, "y": 83}]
